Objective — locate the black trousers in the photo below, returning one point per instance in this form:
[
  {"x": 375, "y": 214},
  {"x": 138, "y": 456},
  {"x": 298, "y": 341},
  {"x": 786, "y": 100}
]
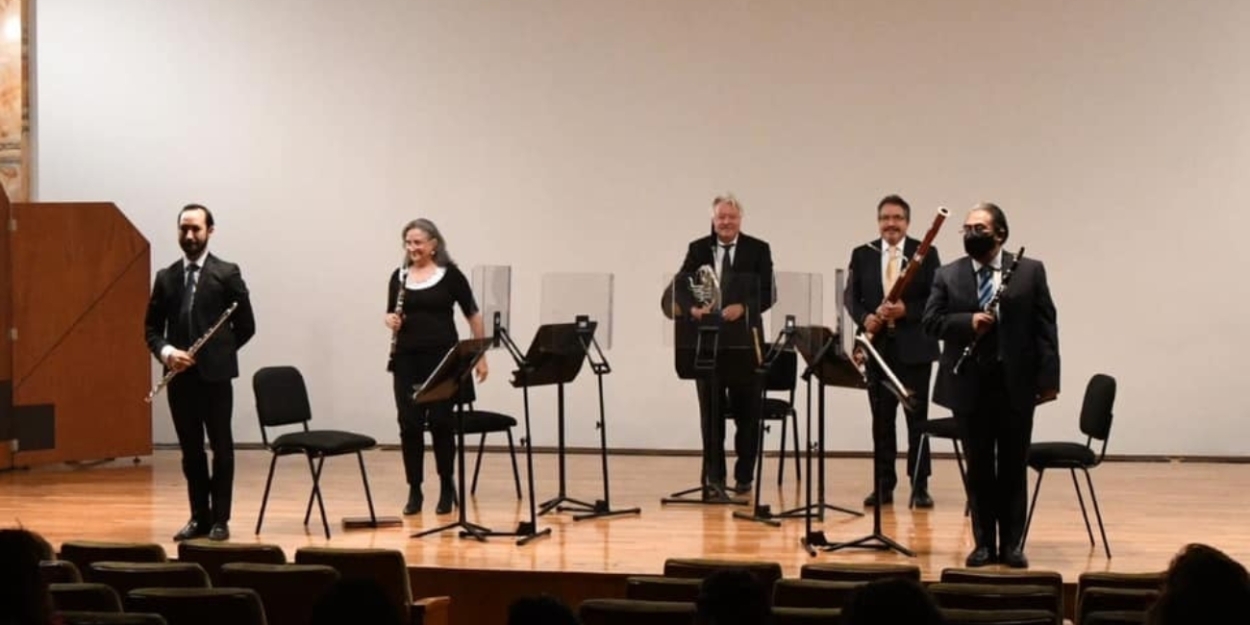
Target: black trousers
[
  {"x": 410, "y": 369},
  {"x": 743, "y": 402},
  {"x": 199, "y": 408},
  {"x": 885, "y": 408},
  {"x": 996, "y": 443}
]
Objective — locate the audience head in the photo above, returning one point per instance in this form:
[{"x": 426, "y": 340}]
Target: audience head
[
  {"x": 891, "y": 600},
  {"x": 24, "y": 597},
  {"x": 540, "y": 610},
  {"x": 355, "y": 600},
  {"x": 733, "y": 597},
  {"x": 1203, "y": 585}
]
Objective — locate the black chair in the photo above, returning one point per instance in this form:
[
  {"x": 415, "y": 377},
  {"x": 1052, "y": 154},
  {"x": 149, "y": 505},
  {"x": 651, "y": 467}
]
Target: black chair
[
  {"x": 484, "y": 422},
  {"x": 783, "y": 377},
  {"x": 1096, "y": 412},
  {"x": 947, "y": 428},
  {"x": 282, "y": 399}
]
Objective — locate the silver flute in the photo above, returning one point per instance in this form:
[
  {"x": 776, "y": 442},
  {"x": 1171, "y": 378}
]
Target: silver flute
[{"x": 192, "y": 351}]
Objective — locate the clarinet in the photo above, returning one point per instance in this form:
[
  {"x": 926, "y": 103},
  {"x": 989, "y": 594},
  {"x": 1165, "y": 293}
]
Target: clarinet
[
  {"x": 399, "y": 310},
  {"x": 192, "y": 351},
  {"x": 989, "y": 309}
]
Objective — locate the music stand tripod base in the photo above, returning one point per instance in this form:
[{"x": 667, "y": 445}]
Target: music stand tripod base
[
  {"x": 710, "y": 495},
  {"x": 762, "y": 515},
  {"x": 879, "y": 542},
  {"x": 358, "y": 522}
]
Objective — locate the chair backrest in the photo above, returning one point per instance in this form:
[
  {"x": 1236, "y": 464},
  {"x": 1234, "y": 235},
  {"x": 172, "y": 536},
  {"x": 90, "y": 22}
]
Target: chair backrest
[
  {"x": 59, "y": 572},
  {"x": 87, "y": 617},
  {"x": 281, "y": 397},
  {"x": 127, "y": 576},
  {"x": 83, "y": 552},
  {"x": 806, "y": 616},
  {"x": 767, "y": 572},
  {"x": 85, "y": 597},
  {"x": 199, "y": 606},
  {"x": 288, "y": 592},
  {"x": 966, "y": 596},
  {"x": 1097, "y": 407},
  {"x": 385, "y": 566},
  {"x": 629, "y": 612},
  {"x": 213, "y": 555},
  {"x": 813, "y": 593},
  {"x": 658, "y": 588},
  {"x": 1050, "y": 579},
  {"x": 859, "y": 571},
  {"x": 784, "y": 374}
]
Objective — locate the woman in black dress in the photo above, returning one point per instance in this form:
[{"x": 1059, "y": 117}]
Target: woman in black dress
[{"x": 426, "y": 289}]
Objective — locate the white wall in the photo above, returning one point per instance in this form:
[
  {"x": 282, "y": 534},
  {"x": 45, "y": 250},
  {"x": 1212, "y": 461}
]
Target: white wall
[{"x": 557, "y": 135}]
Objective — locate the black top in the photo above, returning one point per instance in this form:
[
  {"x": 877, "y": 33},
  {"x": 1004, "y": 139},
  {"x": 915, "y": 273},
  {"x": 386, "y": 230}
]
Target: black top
[{"x": 428, "y": 322}]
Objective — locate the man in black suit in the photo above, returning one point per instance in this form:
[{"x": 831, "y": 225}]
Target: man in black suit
[
  {"x": 899, "y": 338},
  {"x": 187, "y": 299},
  {"x": 1014, "y": 367},
  {"x": 744, "y": 267}
]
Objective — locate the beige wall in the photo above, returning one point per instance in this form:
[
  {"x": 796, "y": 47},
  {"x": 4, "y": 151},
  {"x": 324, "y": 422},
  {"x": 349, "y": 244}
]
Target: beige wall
[{"x": 557, "y": 135}]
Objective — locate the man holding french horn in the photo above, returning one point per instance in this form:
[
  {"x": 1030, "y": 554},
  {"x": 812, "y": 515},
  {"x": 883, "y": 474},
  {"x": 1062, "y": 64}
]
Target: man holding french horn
[{"x": 742, "y": 272}]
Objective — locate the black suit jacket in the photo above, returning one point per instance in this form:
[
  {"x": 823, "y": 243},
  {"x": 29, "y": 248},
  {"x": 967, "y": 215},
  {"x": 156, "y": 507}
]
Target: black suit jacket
[
  {"x": 1027, "y": 334},
  {"x": 865, "y": 291},
  {"x": 220, "y": 283},
  {"x": 751, "y": 281}
]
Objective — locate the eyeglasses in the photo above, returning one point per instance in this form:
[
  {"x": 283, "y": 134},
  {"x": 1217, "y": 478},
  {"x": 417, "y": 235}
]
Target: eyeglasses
[{"x": 978, "y": 229}]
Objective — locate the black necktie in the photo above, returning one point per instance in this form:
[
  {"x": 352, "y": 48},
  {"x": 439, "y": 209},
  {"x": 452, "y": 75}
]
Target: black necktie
[
  {"x": 725, "y": 266},
  {"x": 188, "y": 297}
]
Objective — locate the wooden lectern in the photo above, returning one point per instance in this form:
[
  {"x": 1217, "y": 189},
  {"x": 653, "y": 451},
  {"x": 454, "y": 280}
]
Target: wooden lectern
[{"x": 74, "y": 368}]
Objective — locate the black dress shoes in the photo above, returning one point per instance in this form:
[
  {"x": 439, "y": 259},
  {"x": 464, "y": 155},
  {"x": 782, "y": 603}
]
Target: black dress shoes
[
  {"x": 415, "y": 499},
  {"x": 220, "y": 531},
  {"x": 742, "y": 487},
  {"x": 192, "y": 529},
  {"x": 446, "y": 497},
  {"x": 921, "y": 499},
  {"x": 981, "y": 556},
  {"x": 887, "y": 498},
  {"x": 1015, "y": 559}
]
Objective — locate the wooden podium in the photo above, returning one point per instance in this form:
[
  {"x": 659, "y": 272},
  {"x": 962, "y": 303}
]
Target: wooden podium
[{"x": 74, "y": 368}]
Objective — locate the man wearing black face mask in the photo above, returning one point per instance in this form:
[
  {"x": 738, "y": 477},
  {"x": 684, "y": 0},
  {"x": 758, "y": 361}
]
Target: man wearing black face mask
[
  {"x": 1014, "y": 367},
  {"x": 187, "y": 299}
]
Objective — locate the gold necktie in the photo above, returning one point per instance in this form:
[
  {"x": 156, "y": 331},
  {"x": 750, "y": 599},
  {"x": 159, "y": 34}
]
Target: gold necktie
[{"x": 891, "y": 269}]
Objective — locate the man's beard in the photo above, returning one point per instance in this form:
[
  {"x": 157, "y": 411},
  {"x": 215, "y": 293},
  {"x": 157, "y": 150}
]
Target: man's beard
[{"x": 192, "y": 247}]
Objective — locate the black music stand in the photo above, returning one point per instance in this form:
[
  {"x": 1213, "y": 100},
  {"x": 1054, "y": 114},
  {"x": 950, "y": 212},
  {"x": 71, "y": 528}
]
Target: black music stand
[
  {"x": 444, "y": 384},
  {"x": 555, "y": 356},
  {"x": 526, "y": 530},
  {"x": 831, "y": 367},
  {"x": 761, "y": 513},
  {"x": 705, "y": 359}
]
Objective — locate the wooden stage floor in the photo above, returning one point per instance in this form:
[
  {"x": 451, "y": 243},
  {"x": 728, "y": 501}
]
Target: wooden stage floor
[{"x": 1151, "y": 510}]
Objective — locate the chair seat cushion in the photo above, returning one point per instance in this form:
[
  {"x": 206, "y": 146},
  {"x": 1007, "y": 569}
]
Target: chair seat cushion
[
  {"x": 941, "y": 428},
  {"x": 1060, "y": 455},
  {"x": 776, "y": 408},
  {"x": 481, "y": 421},
  {"x": 326, "y": 442}
]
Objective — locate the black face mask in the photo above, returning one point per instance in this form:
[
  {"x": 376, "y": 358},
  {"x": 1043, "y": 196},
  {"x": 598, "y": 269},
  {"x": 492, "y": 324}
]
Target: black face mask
[{"x": 978, "y": 244}]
